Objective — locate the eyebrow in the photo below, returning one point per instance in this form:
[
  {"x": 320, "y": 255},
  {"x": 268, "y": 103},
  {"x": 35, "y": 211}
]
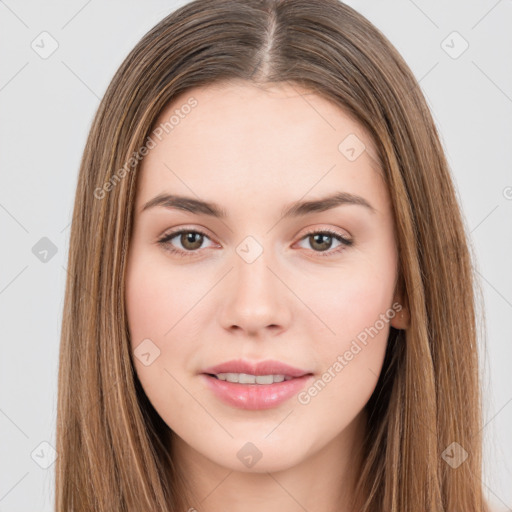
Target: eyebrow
[{"x": 296, "y": 209}]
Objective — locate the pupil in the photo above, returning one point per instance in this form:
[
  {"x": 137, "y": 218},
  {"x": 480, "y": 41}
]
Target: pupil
[
  {"x": 325, "y": 245},
  {"x": 189, "y": 237}
]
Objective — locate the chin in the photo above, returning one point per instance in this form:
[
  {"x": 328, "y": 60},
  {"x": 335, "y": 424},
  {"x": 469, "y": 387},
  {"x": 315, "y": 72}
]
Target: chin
[{"x": 258, "y": 456}]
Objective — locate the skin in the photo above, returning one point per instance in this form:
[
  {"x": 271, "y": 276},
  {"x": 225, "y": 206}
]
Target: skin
[{"x": 254, "y": 150}]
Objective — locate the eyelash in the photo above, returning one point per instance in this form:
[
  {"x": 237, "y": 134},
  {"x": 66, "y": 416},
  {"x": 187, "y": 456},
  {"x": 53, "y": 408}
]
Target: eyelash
[{"x": 164, "y": 241}]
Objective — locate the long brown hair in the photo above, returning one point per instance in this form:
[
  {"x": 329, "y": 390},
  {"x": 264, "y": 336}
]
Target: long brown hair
[{"x": 110, "y": 440}]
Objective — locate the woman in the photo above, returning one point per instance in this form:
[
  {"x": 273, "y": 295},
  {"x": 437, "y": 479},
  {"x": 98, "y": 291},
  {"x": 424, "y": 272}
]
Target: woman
[{"x": 270, "y": 302}]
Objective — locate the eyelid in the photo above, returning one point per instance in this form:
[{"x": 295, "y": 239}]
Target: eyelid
[
  {"x": 345, "y": 241},
  {"x": 333, "y": 231},
  {"x": 169, "y": 235}
]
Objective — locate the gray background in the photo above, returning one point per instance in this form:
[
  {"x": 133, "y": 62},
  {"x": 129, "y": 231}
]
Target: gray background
[{"x": 47, "y": 105}]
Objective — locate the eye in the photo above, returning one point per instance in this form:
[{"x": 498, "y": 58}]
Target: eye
[
  {"x": 191, "y": 241},
  {"x": 322, "y": 240}
]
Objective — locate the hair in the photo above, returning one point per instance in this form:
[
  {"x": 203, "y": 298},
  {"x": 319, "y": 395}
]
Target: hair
[{"x": 110, "y": 440}]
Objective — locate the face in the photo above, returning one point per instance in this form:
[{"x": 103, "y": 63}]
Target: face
[{"x": 309, "y": 287}]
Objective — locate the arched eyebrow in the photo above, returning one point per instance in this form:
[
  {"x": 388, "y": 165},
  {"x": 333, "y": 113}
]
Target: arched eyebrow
[
  {"x": 295, "y": 209},
  {"x": 301, "y": 208}
]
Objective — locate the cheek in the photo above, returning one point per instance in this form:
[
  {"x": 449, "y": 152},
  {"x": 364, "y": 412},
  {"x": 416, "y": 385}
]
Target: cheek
[
  {"x": 358, "y": 311},
  {"x": 156, "y": 305},
  {"x": 352, "y": 358},
  {"x": 354, "y": 300},
  {"x": 356, "y": 305},
  {"x": 156, "y": 298},
  {"x": 161, "y": 305}
]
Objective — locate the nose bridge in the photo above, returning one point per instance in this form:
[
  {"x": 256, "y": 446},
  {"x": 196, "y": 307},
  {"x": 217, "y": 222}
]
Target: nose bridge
[
  {"x": 253, "y": 298},
  {"x": 254, "y": 280}
]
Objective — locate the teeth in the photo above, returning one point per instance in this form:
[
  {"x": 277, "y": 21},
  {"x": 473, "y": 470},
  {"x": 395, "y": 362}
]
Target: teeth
[{"x": 244, "y": 378}]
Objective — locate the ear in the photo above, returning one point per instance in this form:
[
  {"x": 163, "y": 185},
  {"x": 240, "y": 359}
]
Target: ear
[{"x": 402, "y": 318}]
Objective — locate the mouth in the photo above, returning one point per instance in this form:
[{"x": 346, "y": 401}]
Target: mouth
[
  {"x": 247, "y": 378},
  {"x": 261, "y": 386},
  {"x": 245, "y": 371}
]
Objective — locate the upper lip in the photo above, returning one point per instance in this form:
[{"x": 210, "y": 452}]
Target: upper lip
[{"x": 267, "y": 367}]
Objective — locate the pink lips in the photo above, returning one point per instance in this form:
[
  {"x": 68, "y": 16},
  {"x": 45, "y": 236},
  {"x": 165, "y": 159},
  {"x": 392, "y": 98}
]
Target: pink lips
[
  {"x": 255, "y": 396},
  {"x": 262, "y": 368}
]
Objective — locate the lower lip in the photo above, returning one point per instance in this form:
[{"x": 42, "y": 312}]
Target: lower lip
[{"x": 255, "y": 396}]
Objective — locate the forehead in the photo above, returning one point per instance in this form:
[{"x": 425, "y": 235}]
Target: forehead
[
  {"x": 262, "y": 111},
  {"x": 239, "y": 136}
]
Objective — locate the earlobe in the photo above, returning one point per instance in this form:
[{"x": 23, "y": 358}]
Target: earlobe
[{"x": 401, "y": 320}]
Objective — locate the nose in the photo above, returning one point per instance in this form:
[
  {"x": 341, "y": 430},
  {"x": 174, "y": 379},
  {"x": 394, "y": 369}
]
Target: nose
[{"x": 255, "y": 299}]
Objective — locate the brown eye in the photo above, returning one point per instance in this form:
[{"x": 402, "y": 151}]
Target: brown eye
[
  {"x": 321, "y": 241},
  {"x": 191, "y": 240}
]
